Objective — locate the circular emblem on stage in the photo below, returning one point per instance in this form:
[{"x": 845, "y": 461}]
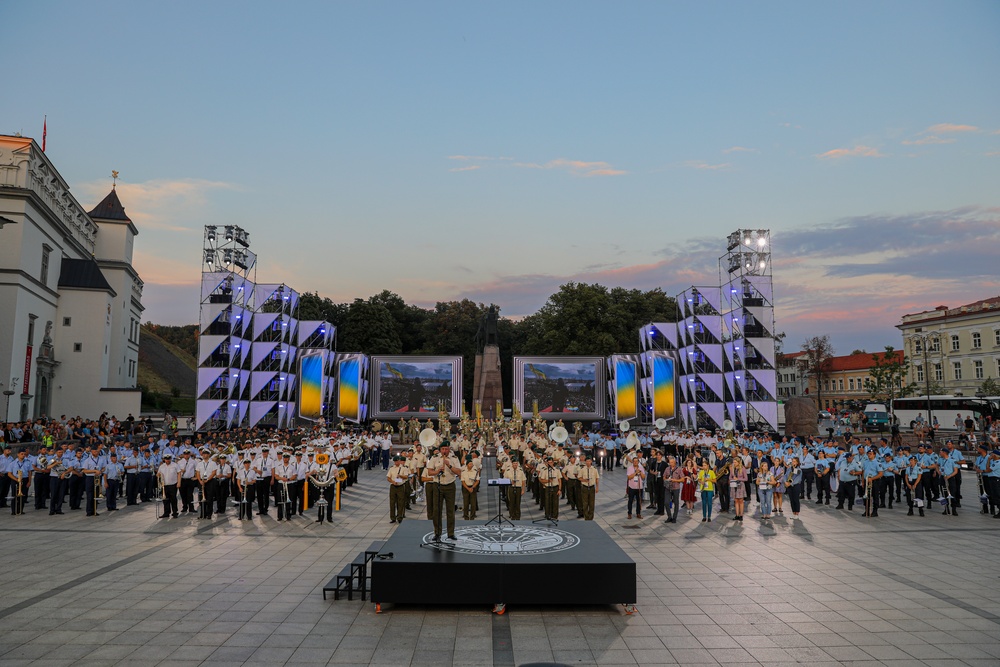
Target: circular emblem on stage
[{"x": 505, "y": 541}]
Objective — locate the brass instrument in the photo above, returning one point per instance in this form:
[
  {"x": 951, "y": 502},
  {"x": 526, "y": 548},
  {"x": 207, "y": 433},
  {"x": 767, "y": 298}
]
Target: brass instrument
[
  {"x": 20, "y": 495},
  {"x": 376, "y": 426}
]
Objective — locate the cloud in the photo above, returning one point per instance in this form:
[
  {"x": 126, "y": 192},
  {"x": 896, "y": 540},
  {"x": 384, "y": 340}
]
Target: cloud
[
  {"x": 471, "y": 167},
  {"x": 857, "y": 151},
  {"x": 160, "y": 204},
  {"x": 790, "y": 125},
  {"x": 477, "y": 158},
  {"x": 929, "y": 139},
  {"x": 828, "y": 277},
  {"x": 575, "y": 167},
  {"x": 948, "y": 128},
  {"x": 992, "y": 154},
  {"x": 739, "y": 149},
  {"x": 701, "y": 164}
]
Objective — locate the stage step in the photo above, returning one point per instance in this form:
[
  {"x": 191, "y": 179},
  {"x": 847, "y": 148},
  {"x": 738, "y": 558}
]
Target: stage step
[{"x": 355, "y": 575}]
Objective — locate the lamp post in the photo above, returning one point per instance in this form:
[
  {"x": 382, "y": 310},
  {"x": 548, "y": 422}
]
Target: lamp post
[
  {"x": 8, "y": 393},
  {"x": 925, "y": 341}
]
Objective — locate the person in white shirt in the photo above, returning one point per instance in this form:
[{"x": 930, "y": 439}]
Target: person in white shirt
[
  {"x": 205, "y": 472},
  {"x": 245, "y": 478},
  {"x": 224, "y": 483},
  {"x": 263, "y": 465},
  {"x": 285, "y": 475},
  {"x": 169, "y": 475}
]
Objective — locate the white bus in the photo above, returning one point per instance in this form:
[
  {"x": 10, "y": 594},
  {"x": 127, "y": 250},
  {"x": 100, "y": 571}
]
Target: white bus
[{"x": 945, "y": 409}]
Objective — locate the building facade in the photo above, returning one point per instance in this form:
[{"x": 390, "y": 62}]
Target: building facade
[
  {"x": 955, "y": 349},
  {"x": 792, "y": 381},
  {"x": 72, "y": 302},
  {"x": 842, "y": 384}
]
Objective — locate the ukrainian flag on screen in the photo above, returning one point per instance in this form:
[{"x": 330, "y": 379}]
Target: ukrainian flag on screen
[
  {"x": 664, "y": 402},
  {"x": 350, "y": 376},
  {"x": 625, "y": 390},
  {"x": 311, "y": 386}
]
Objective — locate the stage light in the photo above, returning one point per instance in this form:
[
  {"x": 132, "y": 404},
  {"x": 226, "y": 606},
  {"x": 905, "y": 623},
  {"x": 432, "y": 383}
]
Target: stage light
[
  {"x": 229, "y": 232},
  {"x": 746, "y": 240},
  {"x": 210, "y": 257},
  {"x": 762, "y": 242},
  {"x": 763, "y": 264},
  {"x": 236, "y": 374},
  {"x": 210, "y": 233}
]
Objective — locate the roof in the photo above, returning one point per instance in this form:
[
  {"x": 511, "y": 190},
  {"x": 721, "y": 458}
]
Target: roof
[
  {"x": 110, "y": 208},
  {"x": 943, "y": 312},
  {"x": 859, "y": 362},
  {"x": 82, "y": 274}
]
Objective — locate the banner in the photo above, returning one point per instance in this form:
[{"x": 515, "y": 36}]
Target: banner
[{"x": 664, "y": 397}]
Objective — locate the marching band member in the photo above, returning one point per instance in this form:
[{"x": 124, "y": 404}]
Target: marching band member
[
  {"x": 263, "y": 467},
  {"x": 397, "y": 475},
  {"x": 589, "y": 478},
  {"x": 170, "y": 475},
  {"x": 246, "y": 476},
  {"x": 518, "y": 482},
  {"x": 205, "y": 472},
  {"x": 469, "y": 478},
  {"x": 113, "y": 474},
  {"x": 19, "y": 480},
  {"x": 444, "y": 467}
]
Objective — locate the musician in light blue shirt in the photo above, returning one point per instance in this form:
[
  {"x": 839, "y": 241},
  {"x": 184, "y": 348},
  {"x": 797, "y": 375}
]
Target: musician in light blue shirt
[
  {"x": 848, "y": 471},
  {"x": 949, "y": 474},
  {"x": 19, "y": 479}
]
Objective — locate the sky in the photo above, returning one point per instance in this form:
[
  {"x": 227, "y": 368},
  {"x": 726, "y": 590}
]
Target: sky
[{"x": 495, "y": 151}]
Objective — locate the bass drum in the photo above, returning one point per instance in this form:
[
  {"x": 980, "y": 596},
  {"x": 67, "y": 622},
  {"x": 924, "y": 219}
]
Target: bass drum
[{"x": 834, "y": 483}]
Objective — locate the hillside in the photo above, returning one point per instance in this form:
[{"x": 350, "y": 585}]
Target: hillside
[{"x": 165, "y": 368}]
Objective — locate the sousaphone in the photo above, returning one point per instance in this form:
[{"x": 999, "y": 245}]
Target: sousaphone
[
  {"x": 559, "y": 435},
  {"x": 660, "y": 424},
  {"x": 428, "y": 438}
]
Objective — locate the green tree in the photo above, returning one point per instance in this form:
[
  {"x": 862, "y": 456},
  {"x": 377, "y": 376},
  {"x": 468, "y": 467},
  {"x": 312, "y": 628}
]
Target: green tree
[
  {"x": 990, "y": 387},
  {"x": 582, "y": 319},
  {"x": 409, "y": 320},
  {"x": 369, "y": 328},
  {"x": 885, "y": 377}
]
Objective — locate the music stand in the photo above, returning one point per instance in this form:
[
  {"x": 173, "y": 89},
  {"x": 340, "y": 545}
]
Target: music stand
[{"x": 499, "y": 518}]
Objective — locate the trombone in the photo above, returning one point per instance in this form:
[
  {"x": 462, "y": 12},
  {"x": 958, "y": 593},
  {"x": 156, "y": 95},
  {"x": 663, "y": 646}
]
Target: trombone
[{"x": 20, "y": 495}]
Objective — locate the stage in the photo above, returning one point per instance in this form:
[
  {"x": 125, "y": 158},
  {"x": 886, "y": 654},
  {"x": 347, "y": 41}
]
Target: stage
[{"x": 524, "y": 563}]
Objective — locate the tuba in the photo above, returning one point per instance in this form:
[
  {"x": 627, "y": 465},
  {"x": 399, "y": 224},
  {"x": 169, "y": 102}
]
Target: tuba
[
  {"x": 559, "y": 434},
  {"x": 326, "y": 475},
  {"x": 376, "y": 426},
  {"x": 428, "y": 438}
]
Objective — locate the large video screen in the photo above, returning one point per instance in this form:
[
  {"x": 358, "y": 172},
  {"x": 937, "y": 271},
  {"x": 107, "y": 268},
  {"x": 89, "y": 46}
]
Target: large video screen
[
  {"x": 348, "y": 392},
  {"x": 626, "y": 403},
  {"x": 311, "y": 386},
  {"x": 564, "y": 387},
  {"x": 664, "y": 397},
  {"x": 407, "y": 386}
]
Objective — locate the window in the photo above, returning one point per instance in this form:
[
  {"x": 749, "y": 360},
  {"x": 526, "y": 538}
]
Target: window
[
  {"x": 78, "y": 347},
  {"x": 850, "y": 383},
  {"x": 936, "y": 345},
  {"x": 918, "y": 346},
  {"x": 996, "y": 337},
  {"x": 954, "y": 343},
  {"x": 840, "y": 384},
  {"x": 44, "y": 273},
  {"x": 938, "y": 373},
  {"x": 977, "y": 340},
  {"x": 957, "y": 368},
  {"x": 919, "y": 372},
  {"x": 67, "y": 321},
  {"x": 977, "y": 365}
]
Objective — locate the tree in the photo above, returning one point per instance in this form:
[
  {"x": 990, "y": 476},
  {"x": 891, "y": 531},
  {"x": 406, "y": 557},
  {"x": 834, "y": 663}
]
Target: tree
[
  {"x": 815, "y": 363},
  {"x": 990, "y": 387},
  {"x": 369, "y": 328},
  {"x": 885, "y": 377}
]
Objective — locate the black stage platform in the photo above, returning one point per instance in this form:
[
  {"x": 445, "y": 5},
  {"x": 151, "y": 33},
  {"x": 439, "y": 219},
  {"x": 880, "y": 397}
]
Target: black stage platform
[{"x": 523, "y": 563}]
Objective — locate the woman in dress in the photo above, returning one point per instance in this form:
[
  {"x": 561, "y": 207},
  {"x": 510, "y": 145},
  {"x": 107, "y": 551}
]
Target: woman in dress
[
  {"x": 765, "y": 490},
  {"x": 737, "y": 486},
  {"x": 687, "y": 489},
  {"x": 706, "y": 485}
]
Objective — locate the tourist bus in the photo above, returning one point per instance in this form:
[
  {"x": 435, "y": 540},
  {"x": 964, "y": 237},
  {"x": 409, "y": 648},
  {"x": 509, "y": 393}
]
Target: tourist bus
[{"x": 906, "y": 410}]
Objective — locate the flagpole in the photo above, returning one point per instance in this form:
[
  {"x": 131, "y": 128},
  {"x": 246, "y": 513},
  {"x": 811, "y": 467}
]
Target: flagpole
[{"x": 45, "y": 131}]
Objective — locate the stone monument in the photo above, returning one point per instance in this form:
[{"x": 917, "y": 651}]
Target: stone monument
[
  {"x": 801, "y": 416},
  {"x": 487, "y": 384}
]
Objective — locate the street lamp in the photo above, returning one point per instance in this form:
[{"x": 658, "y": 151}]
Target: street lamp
[
  {"x": 10, "y": 392},
  {"x": 925, "y": 341}
]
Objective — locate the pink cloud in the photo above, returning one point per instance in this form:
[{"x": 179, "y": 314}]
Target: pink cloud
[
  {"x": 701, "y": 164},
  {"x": 739, "y": 149},
  {"x": 575, "y": 167},
  {"x": 471, "y": 167},
  {"x": 929, "y": 139},
  {"x": 857, "y": 151},
  {"x": 947, "y": 128}
]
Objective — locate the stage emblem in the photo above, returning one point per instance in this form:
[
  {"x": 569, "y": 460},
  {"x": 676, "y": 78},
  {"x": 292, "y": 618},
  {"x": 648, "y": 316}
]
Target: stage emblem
[{"x": 509, "y": 541}]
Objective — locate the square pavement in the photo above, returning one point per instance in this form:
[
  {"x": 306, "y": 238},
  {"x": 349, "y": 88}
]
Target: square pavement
[{"x": 831, "y": 588}]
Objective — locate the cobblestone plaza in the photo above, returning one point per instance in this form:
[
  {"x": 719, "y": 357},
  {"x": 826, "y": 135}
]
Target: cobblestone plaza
[{"x": 831, "y": 588}]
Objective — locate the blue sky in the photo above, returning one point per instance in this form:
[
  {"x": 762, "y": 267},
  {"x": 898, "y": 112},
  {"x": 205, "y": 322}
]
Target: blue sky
[{"x": 449, "y": 150}]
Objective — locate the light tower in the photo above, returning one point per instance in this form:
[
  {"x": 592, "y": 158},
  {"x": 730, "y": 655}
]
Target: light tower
[
  {"x": 748, "y": 330},
  {"x": 228, "y": 272}
]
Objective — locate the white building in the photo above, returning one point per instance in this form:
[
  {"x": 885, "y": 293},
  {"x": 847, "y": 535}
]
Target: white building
[{"x": 71, "y": 301}]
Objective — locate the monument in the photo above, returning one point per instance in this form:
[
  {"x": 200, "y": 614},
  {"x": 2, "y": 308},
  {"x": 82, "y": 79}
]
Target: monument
[{"x": 488, "y": 385}]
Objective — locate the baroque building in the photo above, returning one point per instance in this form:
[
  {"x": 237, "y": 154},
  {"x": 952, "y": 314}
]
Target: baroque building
[{"x": 72, "y": 301}]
